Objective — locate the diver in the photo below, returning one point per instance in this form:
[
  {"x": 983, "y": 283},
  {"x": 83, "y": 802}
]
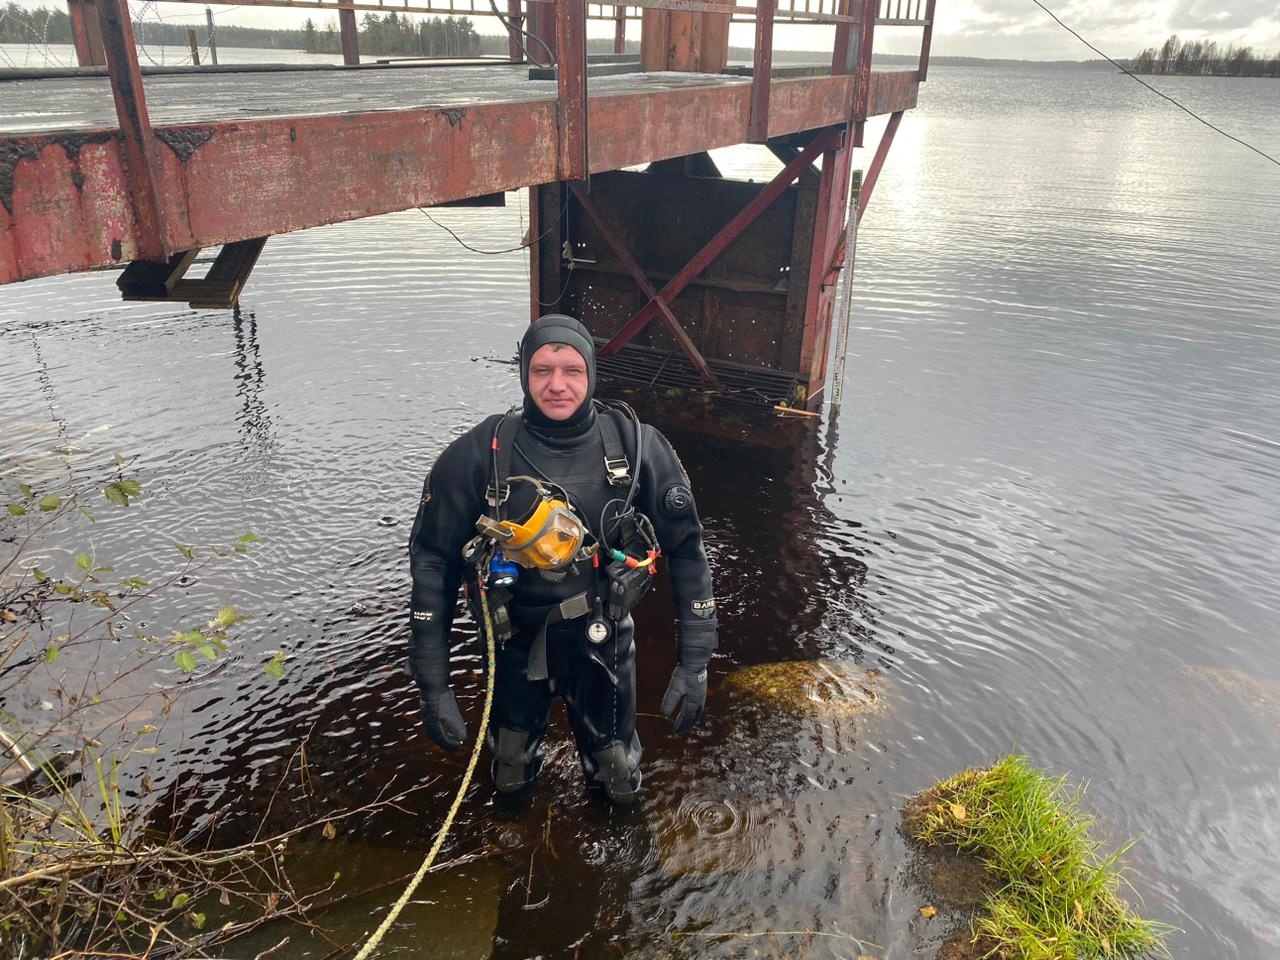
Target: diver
[{"x": 560, "y": 511}]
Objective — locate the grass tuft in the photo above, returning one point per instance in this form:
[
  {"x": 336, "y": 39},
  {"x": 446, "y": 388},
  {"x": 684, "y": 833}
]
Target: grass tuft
[{"x": 1057, "y": 896}]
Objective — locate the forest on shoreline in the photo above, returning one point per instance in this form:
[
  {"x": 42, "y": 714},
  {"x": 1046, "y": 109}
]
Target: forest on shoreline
[{"x": 1205, "y": 58}]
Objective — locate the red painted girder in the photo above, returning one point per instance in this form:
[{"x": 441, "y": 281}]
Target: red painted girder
[
  {"x": 64, "y": 199},
  {"x": 721, "y": 241}
]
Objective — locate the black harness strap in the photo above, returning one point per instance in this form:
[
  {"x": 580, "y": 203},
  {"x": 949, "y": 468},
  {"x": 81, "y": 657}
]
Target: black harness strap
[
  {"x": 504, "y": 442},
  {"x": 616, "y": 465}
]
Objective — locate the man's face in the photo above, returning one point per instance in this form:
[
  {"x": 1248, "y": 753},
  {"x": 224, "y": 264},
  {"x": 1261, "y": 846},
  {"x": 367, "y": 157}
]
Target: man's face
[{"x": 557, "y": 380}]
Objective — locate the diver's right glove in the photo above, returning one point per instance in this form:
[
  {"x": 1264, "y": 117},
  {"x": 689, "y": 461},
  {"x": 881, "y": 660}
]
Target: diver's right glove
[
  {"x": 429, "y": 664},
  {"x": 441, "y": 716},
  {"x": 686, "y": 697}
]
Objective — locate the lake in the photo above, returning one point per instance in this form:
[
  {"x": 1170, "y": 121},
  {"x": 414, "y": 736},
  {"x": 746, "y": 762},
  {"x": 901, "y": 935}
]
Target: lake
[{"x": 1046, "y": 520}]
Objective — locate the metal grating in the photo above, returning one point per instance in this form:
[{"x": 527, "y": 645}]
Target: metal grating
[{"x": 636, "y": 366}]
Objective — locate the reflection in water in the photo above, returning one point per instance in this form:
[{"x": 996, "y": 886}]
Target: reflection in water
[{"x": 255, "y": 422}]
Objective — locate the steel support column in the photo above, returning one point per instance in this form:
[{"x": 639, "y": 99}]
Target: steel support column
[
  {"x": 758, "y": 125},
  {"x": 515, "y": 23},
  {"x": 866, "y": 36},
  {"x": 882, "y": 151},
  {"x": 350, "y": 37},
  {"x": 571, "y": 88},
  {"x": 86, "y": 33},
  {"x": 620, "y": 30},
  {"x": 926, "y": 40},
  {"x": 720, "y": 242},
  {"x": 624, "y": 255},
  {"x": 135, "y": 126}
]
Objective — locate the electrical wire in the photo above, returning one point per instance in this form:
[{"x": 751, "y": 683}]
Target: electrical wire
[
  {"x": 498, "y": 253},
  {"x": 1125, "y": 70}
]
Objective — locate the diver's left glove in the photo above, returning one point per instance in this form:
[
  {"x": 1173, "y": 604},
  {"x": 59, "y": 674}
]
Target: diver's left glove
[
  {"x": 441, "y": 717},
  {"x": 686, "y": 697}
]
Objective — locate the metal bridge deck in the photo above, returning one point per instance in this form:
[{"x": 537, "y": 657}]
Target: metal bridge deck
[{"x": 29, "y": 106}]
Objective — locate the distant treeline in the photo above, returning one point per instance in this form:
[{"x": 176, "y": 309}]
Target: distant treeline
[
  {"x": 390, "y": 33},
  {"x": 1206, "y": 58}
]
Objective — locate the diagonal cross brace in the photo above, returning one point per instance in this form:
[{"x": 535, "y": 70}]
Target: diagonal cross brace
[
  {"x": 624, "y": 255},
  {"x": 826, "y": 140}
]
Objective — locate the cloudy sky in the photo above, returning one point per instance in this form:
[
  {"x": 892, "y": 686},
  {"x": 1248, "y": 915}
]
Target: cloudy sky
[{"x": 979, "y": 28}]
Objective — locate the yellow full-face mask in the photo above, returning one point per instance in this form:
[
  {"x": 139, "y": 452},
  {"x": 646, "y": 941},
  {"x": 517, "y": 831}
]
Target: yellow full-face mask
[{"x": 547, "y": 539}]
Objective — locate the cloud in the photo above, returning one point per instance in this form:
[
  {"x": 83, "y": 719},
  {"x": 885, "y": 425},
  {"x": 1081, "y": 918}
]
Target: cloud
[{"x": 1215, "y": 15}]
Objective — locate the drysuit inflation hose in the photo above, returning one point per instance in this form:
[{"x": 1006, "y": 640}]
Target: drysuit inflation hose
[{"x": 372, "y": 943}]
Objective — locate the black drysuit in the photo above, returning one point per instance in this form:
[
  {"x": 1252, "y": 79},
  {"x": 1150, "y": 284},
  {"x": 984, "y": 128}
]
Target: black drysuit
[{"x": 596, "y": 680}]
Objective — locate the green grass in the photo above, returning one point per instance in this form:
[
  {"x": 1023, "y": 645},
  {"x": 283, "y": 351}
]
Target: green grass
[{"x": 1056, "y": 896}]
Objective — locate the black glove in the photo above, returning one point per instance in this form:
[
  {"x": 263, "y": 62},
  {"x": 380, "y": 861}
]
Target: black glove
[
  {"x": 686, "y": 697},
  {"x": 442, "y": 718}
]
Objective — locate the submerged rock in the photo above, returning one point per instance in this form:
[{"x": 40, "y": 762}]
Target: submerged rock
[
  {"x": 801, "y": 688},
  {"x": 1259, "y": 696}
]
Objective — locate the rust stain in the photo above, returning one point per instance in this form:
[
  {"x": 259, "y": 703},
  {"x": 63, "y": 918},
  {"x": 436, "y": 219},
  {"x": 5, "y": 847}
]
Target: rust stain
[
  {"x": 184, "y": 141},
  {"x": 454, "y": 115}
]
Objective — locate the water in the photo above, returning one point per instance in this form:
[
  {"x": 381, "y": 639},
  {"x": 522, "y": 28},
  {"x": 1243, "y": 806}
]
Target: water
[{"x": 1047, "y": 520}]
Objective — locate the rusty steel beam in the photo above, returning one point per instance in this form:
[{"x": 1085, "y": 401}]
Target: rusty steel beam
[
  {"x": 843, "y": 53},
  {"x": 877, "y": 162},
  {"x": 64, "y": 195},
  {"x": 350, "y": 37},
  {"x": 571, "y": 88},
  {"x": 620, "y": 250},
  {"x": 926, "y": 40},
  {"x": 135, "y": 126},
  {"x": 761, "y": 74},
  {"x": 515, "y": 23},
  {"x": 866, "y": 37},
  {"x": 86, "y": 33},
  {"x": 720, "y": 242}
]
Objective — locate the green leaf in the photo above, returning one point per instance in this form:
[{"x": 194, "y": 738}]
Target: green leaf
[
  {"x": 136, "y": 583},
  {"x": 121, "y": 917},
  {"x": 226, "y": 617},
  {"x": 86, "y": 514},
  {"x": 50, "y": 501},
  {"x": 40, "y": 575},
  {"x": 207, "y": 652},
  {"x": 186, "y": 661},
  {"x": 84, "y": 561},
  {"x": 26, "y": 490},
  {"x": 63, "y": 589},
  {"x": 249, "y": 538},
  {"x": 198, "y": 920},
  {"x": 274, "y": 668},
  {"x": 17, "y": 510},
  {"x": 120, "y": 461},
  {"x": 180, "y": 901},
  {"x": 131, "y": 488},
  {"x": 116, "y": 495},
  {"x": 191, "y": 636},
  {"x": 161, "y": 894},
  {"x": 241, "y": 549},
  {"x": 104, "y": 569},
  {"x": 51, "y": 653},
  {"x": 186, "y": 551}
]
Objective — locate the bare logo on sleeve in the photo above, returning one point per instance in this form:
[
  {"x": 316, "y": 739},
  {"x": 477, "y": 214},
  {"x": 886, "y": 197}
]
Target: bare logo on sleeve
[{"x": 706, "y": 609}]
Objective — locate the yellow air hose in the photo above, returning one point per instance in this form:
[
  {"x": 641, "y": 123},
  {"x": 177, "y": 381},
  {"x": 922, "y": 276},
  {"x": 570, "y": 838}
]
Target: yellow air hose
[{"x": 372, "y": 943}]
